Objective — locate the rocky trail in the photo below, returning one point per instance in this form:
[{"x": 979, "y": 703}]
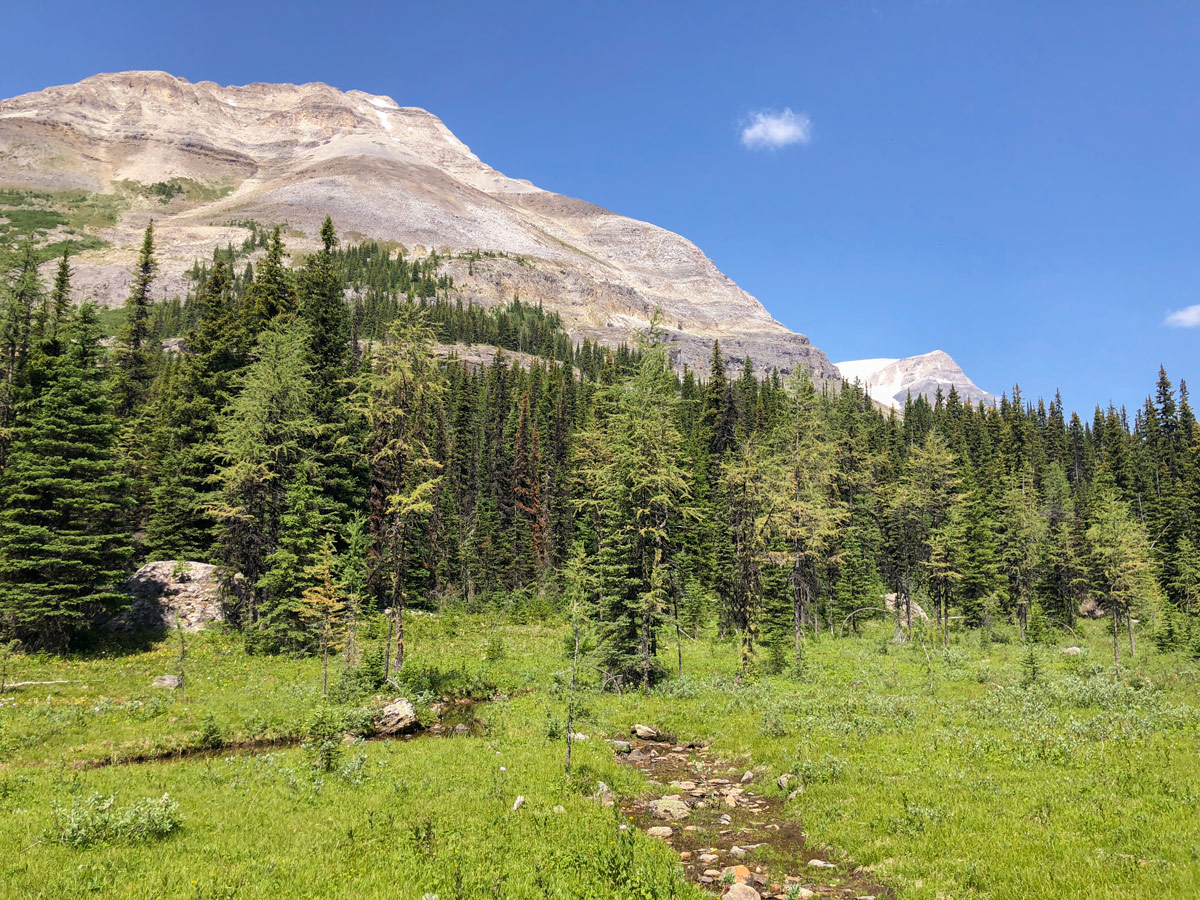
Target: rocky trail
[{"x": 729, "y": 837}]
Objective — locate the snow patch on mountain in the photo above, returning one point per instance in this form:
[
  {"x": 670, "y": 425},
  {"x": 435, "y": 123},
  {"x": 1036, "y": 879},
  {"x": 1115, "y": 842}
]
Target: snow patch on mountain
[{"x": 890, "y": 381}]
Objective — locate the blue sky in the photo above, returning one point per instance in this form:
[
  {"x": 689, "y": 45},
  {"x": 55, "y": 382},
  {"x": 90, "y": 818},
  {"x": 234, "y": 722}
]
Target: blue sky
[{"x": 1015, "y": 183}]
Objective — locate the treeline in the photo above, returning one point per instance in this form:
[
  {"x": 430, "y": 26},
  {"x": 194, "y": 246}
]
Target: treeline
[{"x": 311, "y": 442}]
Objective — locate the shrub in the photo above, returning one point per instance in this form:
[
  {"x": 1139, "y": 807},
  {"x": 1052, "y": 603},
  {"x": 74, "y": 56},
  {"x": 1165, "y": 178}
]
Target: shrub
[{"x": 97, "y": 819}]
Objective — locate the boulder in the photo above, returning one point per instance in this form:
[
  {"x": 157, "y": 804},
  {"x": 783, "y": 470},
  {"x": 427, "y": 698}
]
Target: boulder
[
  {"x": 174, "y": 682},
  {"x": 740, "y": 874},
  {"x": 397, "y": 717},
  {"x": 646, "y": 733},
  {"x": 669, "y": 808},
  {"x": 621, "y": 746},
  {"x": 660, "y": 831},
  {"x": 747, "y": 778},
  {"x": 918, "y": 614},
  {"x": 742, "y": 892},
  {"x": 168, "y": 592}
]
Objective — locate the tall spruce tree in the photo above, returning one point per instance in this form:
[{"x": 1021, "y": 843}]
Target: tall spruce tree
[{"x": 63, "y": 545}]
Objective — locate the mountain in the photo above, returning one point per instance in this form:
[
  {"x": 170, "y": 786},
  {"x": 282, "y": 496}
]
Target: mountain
[
  {"x": 92, "y": 162},
  {"x": 890, "y": 381}
]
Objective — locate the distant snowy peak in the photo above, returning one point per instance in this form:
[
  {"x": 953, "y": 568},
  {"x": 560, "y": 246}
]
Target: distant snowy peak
[{"x": 890, "y": 381}]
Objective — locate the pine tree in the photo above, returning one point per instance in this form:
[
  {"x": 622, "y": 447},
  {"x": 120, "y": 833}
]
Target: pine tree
[
  {"x": 1120, "y": 556},
  {"x": 263, "y": 443},
  {"x": 63, "y": 547},
  {"x": 134, "y": 361}
]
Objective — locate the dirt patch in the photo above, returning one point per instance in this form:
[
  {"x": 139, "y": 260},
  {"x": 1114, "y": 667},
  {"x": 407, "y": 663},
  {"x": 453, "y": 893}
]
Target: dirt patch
[{"x": 730, "y": 831}]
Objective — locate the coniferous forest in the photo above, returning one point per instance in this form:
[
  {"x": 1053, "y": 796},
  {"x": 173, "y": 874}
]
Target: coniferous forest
[{"x": 316, "y": 435}]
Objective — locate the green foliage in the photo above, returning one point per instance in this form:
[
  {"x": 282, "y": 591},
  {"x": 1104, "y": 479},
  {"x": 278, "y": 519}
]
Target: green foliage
[{"x": 99, "y": 820}]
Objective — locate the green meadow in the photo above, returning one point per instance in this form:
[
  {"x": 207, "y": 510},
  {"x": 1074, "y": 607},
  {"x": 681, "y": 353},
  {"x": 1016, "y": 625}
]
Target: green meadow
[{"x": 984, "y": 770}]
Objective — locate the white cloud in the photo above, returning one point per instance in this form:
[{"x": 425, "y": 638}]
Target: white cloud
[
  {"x": 1188, "y": 317},
  {"x": 772, "y": 129}
]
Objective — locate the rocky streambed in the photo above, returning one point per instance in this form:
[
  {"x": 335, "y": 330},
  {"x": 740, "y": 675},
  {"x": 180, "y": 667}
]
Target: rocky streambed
[{"x": 729, "y": 836}]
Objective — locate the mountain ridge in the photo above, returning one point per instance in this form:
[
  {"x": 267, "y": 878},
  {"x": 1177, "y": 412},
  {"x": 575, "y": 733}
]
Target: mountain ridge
[{"x": 294, "y": 153}]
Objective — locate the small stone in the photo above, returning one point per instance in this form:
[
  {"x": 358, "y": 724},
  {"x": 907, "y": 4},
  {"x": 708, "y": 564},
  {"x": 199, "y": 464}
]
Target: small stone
[
  {"x": 713, "y": 873},
  {"x": 747, "y": 778},
  {"x": 737, "y": 851},
  {"x": 520, "y": 801},
  {"x": 800, "y": 893},
  {"x": 460, "y": 729},
  {"x": 725, "y": 819},
  {"x": 821, "y": 864},
  {"x": 783, "y": 781},
  {"x": 559, "y": 809},
  {"x": 621, "y": 746},
  {"x": 686, "y": 854},
  {"x": 660, "y": 831},
  {"x": 579, "y": 736},
  {"x": 670, "y": 808},
  {"x": 709, "y": 857},
  {"x": 796, "y": 793},
  {"x": 742, "y": 892},
  {"x": 168, "y": 681},
  {"x": 741, "y": 875},
  {"x": 603, "y": 794}
]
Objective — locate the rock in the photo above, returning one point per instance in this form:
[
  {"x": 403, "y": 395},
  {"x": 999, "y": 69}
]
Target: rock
[
  {"x": 821, "y": 864},
  {"x": 603, "y": 794},
  {"x": 519, "y": 802},
  {"x": 685, "y": 855},
  {"x": 1072, "y": 651},
  {"x": 737, "y": 851},
  {"x": 669, "y": 808},
  {"x": 461, "y": 729},
  {"x": 784, "y": 780},
  {"x": 741, "y": 875},
  {"x": 559, "y": 809},
  {"x": 747, "y": 778},
  {"x": 578, "y": 736},
  {"x": 171, "y": 591},
  {"x": 742, "y": 892},
  {"x": 396, "y": 718},
  {"x": 708, "y": 858},
  {"x": 796, "y": 793},
  {"x": 796, "y": 892},
  {"x": 646, "y": 733},
  {"x": 660, "y": 831},
  {"x": 918, "y": 614},
  {"x": 174, "y": 682},
  {"x": 621, "y": 746}
]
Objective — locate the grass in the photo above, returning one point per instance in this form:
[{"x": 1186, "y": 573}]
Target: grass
[{"x": 949, "y": 772}]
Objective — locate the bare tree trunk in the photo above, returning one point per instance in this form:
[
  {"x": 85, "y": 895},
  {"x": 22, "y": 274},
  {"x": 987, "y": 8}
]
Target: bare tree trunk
[
  {"x": 324, "y": 667},
  {"x": 387, "y": 647},
  {"x": 1116, "y": 646},
  {"x": 571, "y": 697},
  {"x": 796, "y": 617},
  {"x": 1129, "y": 626}
]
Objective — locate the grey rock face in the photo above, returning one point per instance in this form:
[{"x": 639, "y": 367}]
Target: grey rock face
[
  {"x": 294, "y": 153},
  {"x": 173, "y": 591}
]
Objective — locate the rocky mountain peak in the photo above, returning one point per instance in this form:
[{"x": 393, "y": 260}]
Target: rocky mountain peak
[
  {"x": 890, "y": 381},
  {"x": 290, "y": 154}
]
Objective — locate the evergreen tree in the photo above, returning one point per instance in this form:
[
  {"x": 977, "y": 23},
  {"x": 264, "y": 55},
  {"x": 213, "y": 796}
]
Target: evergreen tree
[
  {"x": 134, "y": 361},
  {"x": 63, "y": 547}
]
